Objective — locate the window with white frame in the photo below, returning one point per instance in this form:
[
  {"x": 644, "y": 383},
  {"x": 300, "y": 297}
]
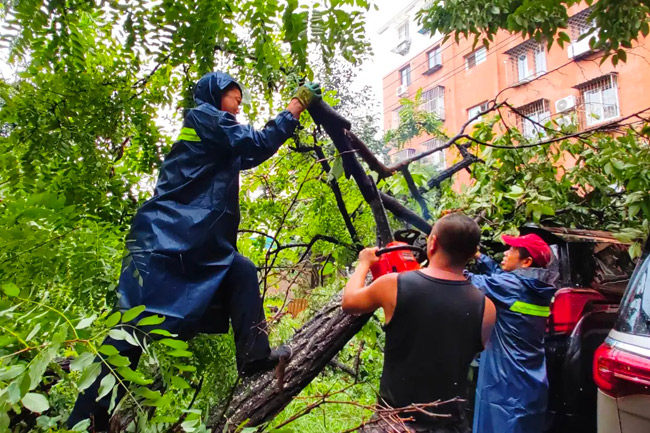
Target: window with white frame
[
  {"x": 527, "y": 61},
  {"x": 395, "y": 118},
  {"x": 600, "y": 100},
  {"x": 434, "y": 57},
  {"x": 533, "y": 119},
  {"x": 405, "y": 76},
  {"x": 402, "y": 155},
  {"x": 476, "y": 110},
  {"x": 403, "y": 31},
  {"x": 476, "y": 58},
  {"x": 433, "y": 101},
  {"x": 437, "y": 159}
]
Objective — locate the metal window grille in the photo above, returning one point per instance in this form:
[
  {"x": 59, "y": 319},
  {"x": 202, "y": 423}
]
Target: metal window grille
[
  {"x": 437, "y": 159},
  {"x": 599, "y": 100},
  {"x": 434, "y": 57},
  {"x": 402, "y": 155},
  {"x": 476, "y": 58},
  {"x": 534, "y": 117},
  {"x": 405, "y": 75},
  {"x": 526, "y": 61},
  {"x": 433, "y": 101},
  {"x": 579, "y": 24}
]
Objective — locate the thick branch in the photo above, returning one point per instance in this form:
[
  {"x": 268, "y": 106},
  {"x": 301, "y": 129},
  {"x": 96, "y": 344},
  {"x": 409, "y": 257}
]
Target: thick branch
[
  {"x": 403, "y": 213},
  {"x": 415, "y": 193}
]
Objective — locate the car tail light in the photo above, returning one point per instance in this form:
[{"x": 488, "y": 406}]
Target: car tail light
[
  {"x": 619, "y": 373},
  {"x": 567, "y": 308}
]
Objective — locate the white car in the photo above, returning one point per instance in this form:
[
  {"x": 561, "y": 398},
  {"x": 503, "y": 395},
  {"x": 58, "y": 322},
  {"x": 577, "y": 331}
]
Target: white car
[{"x": 622, "y": 363}]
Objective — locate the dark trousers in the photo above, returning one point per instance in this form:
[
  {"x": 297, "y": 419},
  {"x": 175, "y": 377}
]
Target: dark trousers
[{"x": 238, "y": 296}]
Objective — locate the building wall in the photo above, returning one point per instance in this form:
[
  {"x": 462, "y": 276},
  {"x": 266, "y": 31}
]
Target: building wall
[{"x": 496, "y": 75}]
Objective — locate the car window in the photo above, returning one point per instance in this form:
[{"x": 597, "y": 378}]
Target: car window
[{"x": 634, "y": 312}]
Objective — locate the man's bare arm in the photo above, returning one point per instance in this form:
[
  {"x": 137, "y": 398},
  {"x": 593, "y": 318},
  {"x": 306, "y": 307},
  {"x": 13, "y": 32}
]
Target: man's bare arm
[{"x": 489, "y": 317}]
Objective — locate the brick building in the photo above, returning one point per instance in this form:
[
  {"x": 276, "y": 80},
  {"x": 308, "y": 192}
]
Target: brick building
[{"x": 567, "y": 84}]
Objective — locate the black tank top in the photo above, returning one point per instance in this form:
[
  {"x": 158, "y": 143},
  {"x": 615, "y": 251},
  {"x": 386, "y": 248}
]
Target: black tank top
[{"x": 431, "y": 339}]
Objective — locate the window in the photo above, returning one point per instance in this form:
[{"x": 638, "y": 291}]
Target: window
[
  {"x": 476, "y": 58},
  {"x": 635, "y": 305},
  {"x": 403, "y": 31},
  {"x": 437, "y": 159},
  {"x": 580, "y": 26},
  {"x": 433, "y": 101},
  {"x": 476, "y": 110},
  {"x": 402, "y": 155},
  {"x": 434, "y": 57},
  {"x": 534, "y": 117},
  {"x": 405, "y": 76},
  {"x": 395, "y": 118},
  {"x": 527, "y": 61},
  {"x": 600, "y": 99}
]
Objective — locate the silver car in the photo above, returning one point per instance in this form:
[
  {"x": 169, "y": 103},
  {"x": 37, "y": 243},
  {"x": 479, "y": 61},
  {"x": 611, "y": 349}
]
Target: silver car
[{"x": 622, "y": 363}]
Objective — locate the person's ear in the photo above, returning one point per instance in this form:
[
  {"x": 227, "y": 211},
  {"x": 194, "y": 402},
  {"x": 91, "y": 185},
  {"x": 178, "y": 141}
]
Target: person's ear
[
  {"x": 527, "y": 262},
  {"x": 432, "y": 244}
]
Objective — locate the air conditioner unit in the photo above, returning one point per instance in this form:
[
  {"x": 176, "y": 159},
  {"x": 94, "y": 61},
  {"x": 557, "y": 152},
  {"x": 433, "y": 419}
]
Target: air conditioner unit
[
  {"x": 578, "y": 48},
  {"x": 402, "y": 90},
  {"x": 565, "y": 104},
  {"x": 565, "y": 120},
  {"x": 402, "y": 47}
]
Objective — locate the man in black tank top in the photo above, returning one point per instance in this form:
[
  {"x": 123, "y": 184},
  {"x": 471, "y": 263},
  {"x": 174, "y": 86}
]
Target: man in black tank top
[{"x": 436, "y": 322}]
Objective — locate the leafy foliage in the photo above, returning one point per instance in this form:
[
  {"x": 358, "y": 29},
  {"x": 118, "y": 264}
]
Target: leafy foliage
[{"x": 618, "y": 23}]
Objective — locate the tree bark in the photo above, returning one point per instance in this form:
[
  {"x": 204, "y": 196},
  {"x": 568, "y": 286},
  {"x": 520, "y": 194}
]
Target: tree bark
[{"x": 261, "y": 398}]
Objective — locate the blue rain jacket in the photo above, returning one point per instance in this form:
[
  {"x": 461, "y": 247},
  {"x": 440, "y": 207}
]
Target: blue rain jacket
[
  {"x": 512, "y": 388},
  {"x": 182, "y": 241}
]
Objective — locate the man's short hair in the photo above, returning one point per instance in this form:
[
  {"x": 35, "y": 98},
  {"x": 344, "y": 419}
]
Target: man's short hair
[{"x": 457, "y": 236}]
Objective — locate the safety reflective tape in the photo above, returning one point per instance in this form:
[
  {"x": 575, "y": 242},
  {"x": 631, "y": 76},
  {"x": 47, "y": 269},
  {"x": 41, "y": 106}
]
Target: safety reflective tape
[
  {"x": 530, "y": 309},
  {"x": 189, "y": 134}
]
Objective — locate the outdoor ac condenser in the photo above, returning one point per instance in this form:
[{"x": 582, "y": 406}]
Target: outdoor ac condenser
[
  {"x": 565, "y": 104},
  {"x": 402, "y": 90}
]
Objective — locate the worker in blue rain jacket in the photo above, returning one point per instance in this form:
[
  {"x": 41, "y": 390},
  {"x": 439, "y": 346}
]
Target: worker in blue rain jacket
[
  {"x": 512, "y": 388},
  {"x": 183, "y": 262}
]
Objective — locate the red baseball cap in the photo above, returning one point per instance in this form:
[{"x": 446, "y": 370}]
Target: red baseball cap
[{"x": 539, "y": 250}]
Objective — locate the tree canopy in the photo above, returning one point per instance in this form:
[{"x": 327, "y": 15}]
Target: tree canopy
[
  {"x": 617, "y": 23},
  {"x": 94, "y": 107}
]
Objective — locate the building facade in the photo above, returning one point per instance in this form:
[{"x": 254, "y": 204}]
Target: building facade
[{"x": 566, "y": 84}]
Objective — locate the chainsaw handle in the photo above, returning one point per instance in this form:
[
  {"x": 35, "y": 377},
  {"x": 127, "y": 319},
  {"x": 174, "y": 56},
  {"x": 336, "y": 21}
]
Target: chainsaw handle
[{"x": 399, "y": 248}]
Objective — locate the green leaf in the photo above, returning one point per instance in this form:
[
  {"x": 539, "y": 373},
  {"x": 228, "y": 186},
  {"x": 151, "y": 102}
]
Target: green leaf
[
  {"x": 180, "y": 353},
  {"x": 179, "y": 382},
  {"x": 151, "y": 320},
  {"x": 328, "y": 268},
  {"x": 10, "y": 289},
  {"x": 133, "y": 376},
  {"x": 35, "y": 402},
  {"x": 85, "y": 323},
  {"x": 89, "y": 375},
  {"x": 108, "y": 350},
  {"x": 105, "y": 386},
  {"x": 113, "y": 319},
  {"x": 118, "y": 361},
  {"x": 10, "y": 372},
  {"x": 163, "y": 332},
  {"x": 175, "y": 344},
  {"x": 121, "y": 334},
  {"x": 132, "y": 313},
  {"x": 82, "y": 361}
]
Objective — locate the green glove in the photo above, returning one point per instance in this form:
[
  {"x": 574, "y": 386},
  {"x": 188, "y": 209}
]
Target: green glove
[{"x": 308, "y": 93}]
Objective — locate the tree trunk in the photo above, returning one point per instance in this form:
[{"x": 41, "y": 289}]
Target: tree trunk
[{"x": 262, "y": 397}]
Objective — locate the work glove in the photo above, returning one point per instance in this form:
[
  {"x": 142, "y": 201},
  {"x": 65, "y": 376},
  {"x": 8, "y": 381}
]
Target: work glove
[{"x": 308, "y": 93}]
